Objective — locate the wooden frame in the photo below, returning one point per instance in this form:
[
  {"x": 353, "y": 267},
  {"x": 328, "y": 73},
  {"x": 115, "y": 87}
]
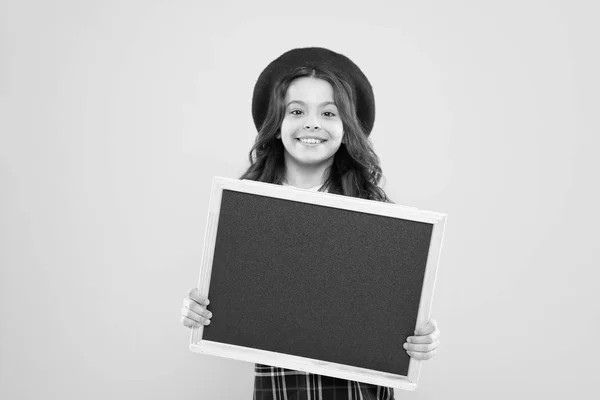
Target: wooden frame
[{"x": 409, "y": 382}]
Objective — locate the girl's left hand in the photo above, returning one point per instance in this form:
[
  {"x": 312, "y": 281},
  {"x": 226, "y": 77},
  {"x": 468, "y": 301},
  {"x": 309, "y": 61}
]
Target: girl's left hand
[{"x": 423, "y": 345}]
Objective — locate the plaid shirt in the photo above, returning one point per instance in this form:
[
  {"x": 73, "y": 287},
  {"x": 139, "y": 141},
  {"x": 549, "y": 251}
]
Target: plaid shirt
[{"x": 274, "y": 383}]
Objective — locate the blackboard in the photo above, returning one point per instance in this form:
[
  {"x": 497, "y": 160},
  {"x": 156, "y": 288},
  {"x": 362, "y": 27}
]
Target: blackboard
[{"x": 292, "y": 275}]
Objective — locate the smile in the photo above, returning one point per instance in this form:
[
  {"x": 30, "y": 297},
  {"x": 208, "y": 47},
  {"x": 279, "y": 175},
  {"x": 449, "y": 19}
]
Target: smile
[{"x": 310, "y": 140}]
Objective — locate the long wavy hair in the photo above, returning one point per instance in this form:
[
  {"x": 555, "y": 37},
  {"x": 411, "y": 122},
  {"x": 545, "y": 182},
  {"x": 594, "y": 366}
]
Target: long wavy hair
[{"x": 355, "y": 171}]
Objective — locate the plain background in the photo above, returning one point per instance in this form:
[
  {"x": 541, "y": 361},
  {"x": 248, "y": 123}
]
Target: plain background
[{"x": 115, "y": 116}]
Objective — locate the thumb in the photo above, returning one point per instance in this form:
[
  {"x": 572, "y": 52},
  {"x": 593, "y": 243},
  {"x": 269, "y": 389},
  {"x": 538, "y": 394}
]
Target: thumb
[{"x": 426, "y": 329}]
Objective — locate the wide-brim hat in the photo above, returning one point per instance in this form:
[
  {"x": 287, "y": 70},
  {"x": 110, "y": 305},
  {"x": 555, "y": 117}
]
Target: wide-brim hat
[{"x": 314, "y": 57}]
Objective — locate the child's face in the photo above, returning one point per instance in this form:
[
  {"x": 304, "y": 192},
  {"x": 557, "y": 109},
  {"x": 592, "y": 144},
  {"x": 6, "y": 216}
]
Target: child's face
[{"x": 312, "y": 129}]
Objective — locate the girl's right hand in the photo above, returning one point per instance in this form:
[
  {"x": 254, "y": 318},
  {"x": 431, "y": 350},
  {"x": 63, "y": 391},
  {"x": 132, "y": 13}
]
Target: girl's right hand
[{"x": 194, "y": 312}]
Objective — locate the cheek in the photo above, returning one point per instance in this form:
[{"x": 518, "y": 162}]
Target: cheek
[
  {"x": 288, "y": 126},
  {"x": 335, "y": 129}
]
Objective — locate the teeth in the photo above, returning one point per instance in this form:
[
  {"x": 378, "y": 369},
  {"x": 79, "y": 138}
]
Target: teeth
[{"x": 310, "y": 141}]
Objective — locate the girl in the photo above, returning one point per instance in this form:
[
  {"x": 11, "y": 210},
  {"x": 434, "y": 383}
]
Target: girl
[{"x": 314, "y": 110}]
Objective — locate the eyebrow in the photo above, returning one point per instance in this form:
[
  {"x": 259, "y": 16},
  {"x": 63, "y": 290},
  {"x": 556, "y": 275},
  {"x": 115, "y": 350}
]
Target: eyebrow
[{"x": 325, "y": 103}]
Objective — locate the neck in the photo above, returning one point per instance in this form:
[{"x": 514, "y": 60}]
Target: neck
[{"x": 305, "y": 176}]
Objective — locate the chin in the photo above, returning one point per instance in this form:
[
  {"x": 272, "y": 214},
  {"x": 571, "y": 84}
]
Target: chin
[
  {"x": 307, "y": 159},
  {"x": 314, "y": 161}
]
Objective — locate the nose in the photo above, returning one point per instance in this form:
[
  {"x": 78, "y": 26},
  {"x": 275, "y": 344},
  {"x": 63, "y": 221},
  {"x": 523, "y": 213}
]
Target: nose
[
  {"x": 312, "y": 127},
  {"x": 311, "y": 123}
]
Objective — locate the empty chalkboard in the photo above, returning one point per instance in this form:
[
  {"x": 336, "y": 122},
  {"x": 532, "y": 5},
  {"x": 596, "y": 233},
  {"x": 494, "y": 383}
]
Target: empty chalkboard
[{"x": 317, "y": 282}]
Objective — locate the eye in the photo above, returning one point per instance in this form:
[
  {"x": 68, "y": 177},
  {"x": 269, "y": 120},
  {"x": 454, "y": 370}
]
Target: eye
[
  {"x": 329, "y": 114},
  {"x": 296, "y": 112}
]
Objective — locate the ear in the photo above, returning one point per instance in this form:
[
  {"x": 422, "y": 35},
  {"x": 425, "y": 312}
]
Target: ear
[{"x": 278, "y": 135}]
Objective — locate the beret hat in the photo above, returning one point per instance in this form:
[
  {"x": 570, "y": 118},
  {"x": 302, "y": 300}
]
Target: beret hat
[{"x": 315, "y": 57}]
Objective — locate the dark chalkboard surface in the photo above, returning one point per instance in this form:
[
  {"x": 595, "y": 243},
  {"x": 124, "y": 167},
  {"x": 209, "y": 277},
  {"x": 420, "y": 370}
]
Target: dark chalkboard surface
[{"x": 314, "y": 281}]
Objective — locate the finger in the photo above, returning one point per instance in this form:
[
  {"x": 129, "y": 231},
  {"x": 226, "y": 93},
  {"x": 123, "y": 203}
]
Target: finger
[
  {"x": 423, "y": 348},
  {"x": 186, "y": 312},
  {"x": 427, "y": 329},
  {"x": 188, "y": 322},
  {"x": 195, "y": 295},
  {"x": 421, "y": 356},
  {"x": 432, "y": 337},
  {"x": 193, "y": 306},
  {"x": 196, "y": 315},
  {"x": 197, "y": 308}
]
